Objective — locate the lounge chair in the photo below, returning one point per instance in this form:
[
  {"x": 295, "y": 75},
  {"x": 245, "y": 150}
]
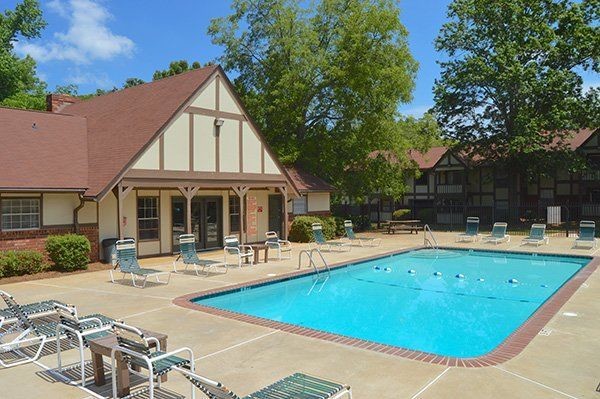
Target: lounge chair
[
  {"x": 281, "y": 246},
  {"x": 498, "y": 234},
  {"x": 80, "y": 332},
  {"x": 189, "y": 257},
  {"x": 537, "y": 235},
  {"x": 139, "y": 354},
  {"x": 233, "y": 247},
  {"x": 370, "y": 241},
  {"x": 33, "y": 310},
  {"x": 321, "y": 242},
  {"x": 587, "y": 235},
  {"x": 297, "y": 385},
  {"x": 472, "y": 231},
  {"x": 128, "y": 264},
  {"x": 31, "y": 334}
]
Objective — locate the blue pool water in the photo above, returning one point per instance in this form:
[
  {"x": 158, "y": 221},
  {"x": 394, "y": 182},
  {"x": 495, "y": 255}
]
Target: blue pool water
[{"x": 445, "y": 315}]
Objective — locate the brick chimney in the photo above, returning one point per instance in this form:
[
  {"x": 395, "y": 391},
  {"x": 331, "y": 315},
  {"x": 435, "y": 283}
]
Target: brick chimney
[{"x": 56, "y": 102}]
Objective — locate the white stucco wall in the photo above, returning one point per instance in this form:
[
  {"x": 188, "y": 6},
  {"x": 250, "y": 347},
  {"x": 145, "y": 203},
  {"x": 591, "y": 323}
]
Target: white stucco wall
[
  {"x": 227, "y": 102},
  {"x": 177, "y": 144},
  {"x": 204, "y": 144},
  {"x": 229, "y": 147},
  {"x": 150, "y": 159},
  {"x": 252, "y": 150},
  {"x": 318, "y": 202},
  {"x": 206, "y": 99}
]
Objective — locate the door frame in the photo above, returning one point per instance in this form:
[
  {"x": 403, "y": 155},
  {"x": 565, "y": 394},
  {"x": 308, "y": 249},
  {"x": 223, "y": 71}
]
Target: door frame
[{"x": 201, "y": 200}]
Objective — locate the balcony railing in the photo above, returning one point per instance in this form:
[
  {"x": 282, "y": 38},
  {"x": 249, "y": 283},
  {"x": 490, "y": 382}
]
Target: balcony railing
[
  {"x": 449, "y": 188},
  {"x": 591, "y": 175}
]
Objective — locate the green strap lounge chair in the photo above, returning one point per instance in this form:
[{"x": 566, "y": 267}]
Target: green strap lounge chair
[
  {"x": 139, "y": 354},
  {"x": 296, "y": 386},
  {"x": 587, "y": 235},
  {"x": 189, "y": 257},
  {"x": 362, "y": 241},
  {"x": 33, "y": 310},
  {"x": 321, "y": 243},
  {"x": 31, "y": 334},
  {"x": 282, "y": 247},
  {"x": 127, "y": 262},
  {"x": 498, "y": 234},
  {"x": 472, "y": 231},
  {"x": 537, "y": 235},
  {"x": 79, "y": 332},
  {"x": 234, "y": 248}
]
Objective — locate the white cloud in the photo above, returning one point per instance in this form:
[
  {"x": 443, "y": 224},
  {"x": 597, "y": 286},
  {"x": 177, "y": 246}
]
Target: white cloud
[
  {"x": 88, "y": 37},
  {"x": 96, "y": 79}
]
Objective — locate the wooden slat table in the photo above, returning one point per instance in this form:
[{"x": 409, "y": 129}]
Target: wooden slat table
[
  {"x": 103, "y": 347},
  {"x": 257, "y": 247},
  {"x": 404, "y": 225}
]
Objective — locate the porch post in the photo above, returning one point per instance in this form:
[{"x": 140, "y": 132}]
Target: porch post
[
  {"x": 284, "y": 233},
  {"x": 241, "y": 192},
  {"x": 121, "y": 193},
  {"x": 188, "y": 193}
]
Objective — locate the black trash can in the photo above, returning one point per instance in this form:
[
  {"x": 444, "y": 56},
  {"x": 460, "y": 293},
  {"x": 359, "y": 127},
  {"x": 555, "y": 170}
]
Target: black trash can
[{"x": 109, "y": 250}]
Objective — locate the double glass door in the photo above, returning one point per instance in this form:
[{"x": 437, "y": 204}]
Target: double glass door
[{"x": 207, "y": 224}]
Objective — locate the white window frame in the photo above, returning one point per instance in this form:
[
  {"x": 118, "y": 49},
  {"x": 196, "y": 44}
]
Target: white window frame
[
  {"x": 300, "y": 205},
  {"x": 4, "y": 214}
]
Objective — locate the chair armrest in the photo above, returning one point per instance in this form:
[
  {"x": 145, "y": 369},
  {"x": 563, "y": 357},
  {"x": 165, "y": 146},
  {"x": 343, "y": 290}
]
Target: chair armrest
[
  {"x": 234, "y": 249},
  {"x": 95, "y": 319},
  {"x": 248, "y": 247}
]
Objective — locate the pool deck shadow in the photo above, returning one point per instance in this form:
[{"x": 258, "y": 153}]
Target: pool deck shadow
[{"x": 246, "y": 357}]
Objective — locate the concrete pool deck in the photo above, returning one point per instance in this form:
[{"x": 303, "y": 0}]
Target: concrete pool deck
[{"x": 562, "y": 361}]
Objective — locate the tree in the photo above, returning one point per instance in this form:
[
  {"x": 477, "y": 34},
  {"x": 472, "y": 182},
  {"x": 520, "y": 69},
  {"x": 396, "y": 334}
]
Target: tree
[
  {"x": 18, "y": 75},
  {"x": 323, "y": 81},
  {"x": 510, "y": 89},
  {"x": 131, "y": 82},
  {"x": 175, "y": 68}
]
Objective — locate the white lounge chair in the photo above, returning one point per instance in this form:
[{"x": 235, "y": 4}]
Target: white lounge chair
[
  {"x": 128, "y": 264},
  {"x": 189, "y": 257},
  {"x": 587, "y": 235},
  {"x": 233, "y": 247},
  {"x": 498, "y": 234},
  {"x": 472, "y": 231},
  {"x": 537, "y": 235},
  {"x": 362, "y": 241},
  {"x": 281, "y": 246},
  {"x": 320, "y": 242}
]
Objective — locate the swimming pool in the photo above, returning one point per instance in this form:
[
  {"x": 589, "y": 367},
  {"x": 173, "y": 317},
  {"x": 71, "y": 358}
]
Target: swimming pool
[{"x": 459, "y": 303}]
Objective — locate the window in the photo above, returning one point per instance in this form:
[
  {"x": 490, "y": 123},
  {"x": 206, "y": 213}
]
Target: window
[
  {"x": 20, "y": 213},
  {"x": 147, "y": 213},
  {"x": 300, "y": 206},
  {"x": 421, "y": 180},
  {"x": 234, "y": 214}
]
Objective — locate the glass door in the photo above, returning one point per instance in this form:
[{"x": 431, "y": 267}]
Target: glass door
[
  {"x": 275, "y": 211},
  {"x": 178, "y": 220},
  {"x": 212, "y": 214},
  {"x": 207, "y": 224}
]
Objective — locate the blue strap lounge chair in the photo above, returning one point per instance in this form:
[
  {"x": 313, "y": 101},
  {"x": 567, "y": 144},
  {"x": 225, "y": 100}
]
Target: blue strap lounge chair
[
  {"x": 31, "y": 334},
  {"x": 587, "y": 234},
  {"x": 283, "y": 247},
  {"x": 295, "y": 386},
  {"x": 498, "y": 234},
  {"x": 144, "y": 353},
  {"x": 127, "y": 262},
  {"x": 189, "y": 257},
  {"x": 233, "y": 247},
  {"x": 362, "y": 241},
  {"x": 537, "y": 235},
  {"x": 472, "y": 231},
  {"x": 79, "y": 331},
  {"x": 320, "y": 242}
]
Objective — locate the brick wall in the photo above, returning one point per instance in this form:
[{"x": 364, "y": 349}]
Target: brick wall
[{"x": 36, "y": 239}]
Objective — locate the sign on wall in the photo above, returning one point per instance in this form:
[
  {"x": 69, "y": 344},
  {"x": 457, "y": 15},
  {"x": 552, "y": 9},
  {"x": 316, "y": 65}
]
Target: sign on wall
[{"x": 251, "y": 217}]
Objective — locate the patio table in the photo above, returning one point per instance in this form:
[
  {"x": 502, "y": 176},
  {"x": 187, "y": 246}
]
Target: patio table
[
  {"x": 257, "y": 247},
  {"x": 103, "y": 347},
  {"x": 404, "y": 225}
]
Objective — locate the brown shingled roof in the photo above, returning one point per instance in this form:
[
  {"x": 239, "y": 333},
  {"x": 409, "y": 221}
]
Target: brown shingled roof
[
  {"x": 42, "y": 150},
  {"x": 306, "y": 182},
  {"x": 122, "y": 124}
]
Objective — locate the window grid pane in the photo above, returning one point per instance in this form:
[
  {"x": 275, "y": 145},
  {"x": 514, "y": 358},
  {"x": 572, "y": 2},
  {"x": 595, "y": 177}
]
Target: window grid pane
[
  {"x": 20, "y": 213},
  {"x": 148, "y": 221},
  {"x": 234, "y": 213}
]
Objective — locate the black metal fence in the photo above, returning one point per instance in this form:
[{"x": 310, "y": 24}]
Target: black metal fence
[{"x": 561, "y": 219}]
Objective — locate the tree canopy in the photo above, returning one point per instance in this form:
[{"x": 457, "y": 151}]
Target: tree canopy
[
  {"x": 19, "y": 85},
  {"x": 175, "y": 68},
  {"x": 510, "y": 88},
  {"x": 323, "y": 81}
]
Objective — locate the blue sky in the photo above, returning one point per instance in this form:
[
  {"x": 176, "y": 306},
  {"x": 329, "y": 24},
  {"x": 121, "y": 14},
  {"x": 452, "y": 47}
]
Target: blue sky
[{"x": 100, "y": 43}]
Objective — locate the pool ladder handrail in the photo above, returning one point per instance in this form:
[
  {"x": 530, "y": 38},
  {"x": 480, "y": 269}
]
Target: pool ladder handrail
[
  {"x": 309, "y": 254},
  {"x": 426, "y": 241}
]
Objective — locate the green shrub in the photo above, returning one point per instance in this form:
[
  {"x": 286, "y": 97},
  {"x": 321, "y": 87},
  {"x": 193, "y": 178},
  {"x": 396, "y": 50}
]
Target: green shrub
[
  {"x": 19, "y": 263},
  {"x": 401, "y": 214},
  {"x": 339, "y": 226},
  {"x": 69, "y": 252},
  {"x": 301, "y": 228},
  {"x": 360, "y": 223}
]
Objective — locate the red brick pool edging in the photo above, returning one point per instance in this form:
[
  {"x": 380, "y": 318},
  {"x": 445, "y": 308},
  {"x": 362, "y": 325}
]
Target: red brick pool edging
[{"x": 513, "y": 345}]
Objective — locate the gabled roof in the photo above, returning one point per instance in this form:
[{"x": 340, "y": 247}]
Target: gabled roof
[
  {"x": 306, "y": 182},
  {"x": 43, "y": 151},
  {"x": 429, "y": 159},
  {"x": 120, "y": 125}
]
